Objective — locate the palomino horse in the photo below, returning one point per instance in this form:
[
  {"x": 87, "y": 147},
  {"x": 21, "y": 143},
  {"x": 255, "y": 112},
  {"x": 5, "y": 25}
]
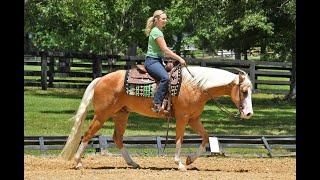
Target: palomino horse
[{"x": 199, "y": 84}]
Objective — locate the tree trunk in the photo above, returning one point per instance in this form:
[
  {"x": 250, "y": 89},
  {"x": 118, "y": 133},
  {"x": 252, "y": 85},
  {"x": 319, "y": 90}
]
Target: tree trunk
[
  {"x": 178, "y": 44},
  {"x": 132, "y": 49},
  {"x": 245, "y": 55},
  {"x": 263, "y": 52},
  {"x": 237, "y": 53},
  {"x": 292, "y": 93}
]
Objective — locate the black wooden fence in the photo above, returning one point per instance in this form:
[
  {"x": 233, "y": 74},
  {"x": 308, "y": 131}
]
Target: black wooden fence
[
  {"x": 102, "y": 143},
  {"x": 76, "y": 70}
]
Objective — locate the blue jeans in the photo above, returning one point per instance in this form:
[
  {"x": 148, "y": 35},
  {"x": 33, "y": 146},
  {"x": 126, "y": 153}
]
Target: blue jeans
[{"x": 156, "y": 69}]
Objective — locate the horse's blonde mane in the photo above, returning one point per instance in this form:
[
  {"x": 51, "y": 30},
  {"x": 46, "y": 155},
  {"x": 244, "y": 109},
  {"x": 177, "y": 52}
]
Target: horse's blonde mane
[{"x": 205, "y": 77}]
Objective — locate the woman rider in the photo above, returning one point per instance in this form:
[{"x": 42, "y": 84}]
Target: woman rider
[{"x": 157, "y": 47}]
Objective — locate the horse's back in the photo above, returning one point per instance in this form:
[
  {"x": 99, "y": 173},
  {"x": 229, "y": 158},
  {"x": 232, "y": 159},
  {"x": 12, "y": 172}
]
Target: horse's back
[{"x": 111, "y": 82}]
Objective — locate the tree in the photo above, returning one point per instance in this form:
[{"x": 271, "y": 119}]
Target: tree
[
  {"x": 239, "y": 25},
  {"x": 116, "y": 26},
  {"x": 289, "y": 7},
  {"x": 70, "y": 25},
  {"x": 180, "y": 23}
]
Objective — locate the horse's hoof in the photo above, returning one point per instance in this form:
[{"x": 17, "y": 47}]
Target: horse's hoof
[
  {"x": 137, "y": 166},
  {"x": 182, "y": 168},
  {"x": 134, "y": 165},
  {"x": 105, "y": 153},
  {"x": 78, "y": 166},
  {"x": 188, "y": 161}
]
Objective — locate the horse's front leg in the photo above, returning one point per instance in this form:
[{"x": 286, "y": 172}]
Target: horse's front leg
[
  {"x": 180, "y": 128},
  {"x": 197, "y": 126}
]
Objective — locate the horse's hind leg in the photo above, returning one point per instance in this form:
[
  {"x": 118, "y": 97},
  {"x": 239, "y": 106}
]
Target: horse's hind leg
[
  {"x": 95, "y": 125},
  {"x": 120, "y": 120},
  {"x": 197, "y": 126}
]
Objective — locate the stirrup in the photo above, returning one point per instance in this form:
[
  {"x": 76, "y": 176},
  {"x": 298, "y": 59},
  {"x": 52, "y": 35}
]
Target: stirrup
[{"x": 156, "y": 108}]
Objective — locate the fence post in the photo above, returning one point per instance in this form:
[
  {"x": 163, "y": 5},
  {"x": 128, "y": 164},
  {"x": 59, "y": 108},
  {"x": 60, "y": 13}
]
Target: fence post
[
  {"x": 103, "y": 145},
  {"x": 112, "y": 60},
  {"x": 44, "y": 70},
  {"x": 266, "y": 145},
  {"x": 64, "y": 66},
  {"x": 51, "y": 71},
  {"x": 41, "y": 143},
  {"x": 159, "y": 146},
  {"x": 129, "y": 62},
  {"x": 96, "y": 67},
  {"x": 253, "y": 75}
]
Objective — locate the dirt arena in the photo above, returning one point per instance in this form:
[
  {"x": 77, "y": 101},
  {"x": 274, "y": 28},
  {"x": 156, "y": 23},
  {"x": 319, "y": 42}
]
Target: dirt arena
[{"x": 114, "y": 167}]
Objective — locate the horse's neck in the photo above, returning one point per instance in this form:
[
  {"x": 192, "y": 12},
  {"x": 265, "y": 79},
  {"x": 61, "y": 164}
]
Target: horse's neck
[{"x": 219, "y": 91}]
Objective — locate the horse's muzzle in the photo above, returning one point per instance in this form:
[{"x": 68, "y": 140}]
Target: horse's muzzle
[{"x": 246, "y": 115}]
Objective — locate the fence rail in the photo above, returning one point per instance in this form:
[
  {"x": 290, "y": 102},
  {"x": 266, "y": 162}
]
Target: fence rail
[
  {"x": 65, "y": 69},
  {"x": 102, "y": 143}
]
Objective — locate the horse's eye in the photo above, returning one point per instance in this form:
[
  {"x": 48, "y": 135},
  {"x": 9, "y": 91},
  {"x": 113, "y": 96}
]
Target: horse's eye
[{"x": 244, "y": 93}]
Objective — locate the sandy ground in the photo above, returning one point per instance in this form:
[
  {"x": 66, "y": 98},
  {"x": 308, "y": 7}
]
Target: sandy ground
[{"x": 154, "y": 168}]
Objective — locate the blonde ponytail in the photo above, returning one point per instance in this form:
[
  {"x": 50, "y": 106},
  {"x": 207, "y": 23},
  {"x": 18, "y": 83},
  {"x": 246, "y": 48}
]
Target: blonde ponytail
[
  {"x": 152, "y": 21},
  {"x": 149, "y": 26}
]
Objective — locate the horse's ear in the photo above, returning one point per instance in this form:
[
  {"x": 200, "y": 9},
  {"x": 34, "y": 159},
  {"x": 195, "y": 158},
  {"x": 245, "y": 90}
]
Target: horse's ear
[
  {"x": 242, "y": 76},
  {"x": 240, "y": 71}
]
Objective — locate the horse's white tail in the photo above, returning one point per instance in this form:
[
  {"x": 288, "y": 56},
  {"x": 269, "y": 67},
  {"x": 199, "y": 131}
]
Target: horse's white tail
[{"x": 75, "y": 136}]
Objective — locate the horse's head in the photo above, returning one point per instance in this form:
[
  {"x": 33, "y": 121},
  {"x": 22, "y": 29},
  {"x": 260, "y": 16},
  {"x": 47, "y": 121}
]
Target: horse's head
[
  {"x": 218, "y": 82},
  {"x": 241, "y": 95}
]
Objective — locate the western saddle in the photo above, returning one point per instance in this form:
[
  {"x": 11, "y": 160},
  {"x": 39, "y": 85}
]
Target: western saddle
[{"x": 139, "y": 83}]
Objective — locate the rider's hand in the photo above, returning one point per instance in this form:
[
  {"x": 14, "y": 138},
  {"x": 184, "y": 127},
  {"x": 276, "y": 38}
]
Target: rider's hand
[{"x": 183, "y": 62}]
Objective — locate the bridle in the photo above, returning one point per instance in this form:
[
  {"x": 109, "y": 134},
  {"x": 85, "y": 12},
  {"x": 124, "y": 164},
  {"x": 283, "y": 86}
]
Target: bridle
[
  {"x": 240, "y": 98},
  {"x": 231, "y": 115}
]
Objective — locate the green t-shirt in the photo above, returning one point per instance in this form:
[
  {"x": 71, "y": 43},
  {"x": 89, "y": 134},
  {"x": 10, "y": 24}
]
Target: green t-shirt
[{"x": 153, "y": 48}]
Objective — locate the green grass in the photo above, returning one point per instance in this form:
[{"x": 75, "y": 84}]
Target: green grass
[
  {"x": 273, "y": 87},
  {"x": 273, "y": 78},
  {"x": 32, "y": 68},
  {"x": 47, "y": 113},
  {"x": 38, "y": 68}
]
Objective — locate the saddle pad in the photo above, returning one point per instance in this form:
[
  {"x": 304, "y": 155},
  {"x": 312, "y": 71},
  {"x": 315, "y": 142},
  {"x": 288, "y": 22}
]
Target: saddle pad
[{"x": 138, "y": 83}]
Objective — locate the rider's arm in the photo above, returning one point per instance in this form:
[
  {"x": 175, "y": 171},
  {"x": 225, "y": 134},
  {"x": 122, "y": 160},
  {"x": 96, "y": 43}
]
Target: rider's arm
[{"x": 164, "y": 48}]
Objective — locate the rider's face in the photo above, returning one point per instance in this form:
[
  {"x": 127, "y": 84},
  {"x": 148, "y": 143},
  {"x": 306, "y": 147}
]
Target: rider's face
[{"x": 162, "y": 20}]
